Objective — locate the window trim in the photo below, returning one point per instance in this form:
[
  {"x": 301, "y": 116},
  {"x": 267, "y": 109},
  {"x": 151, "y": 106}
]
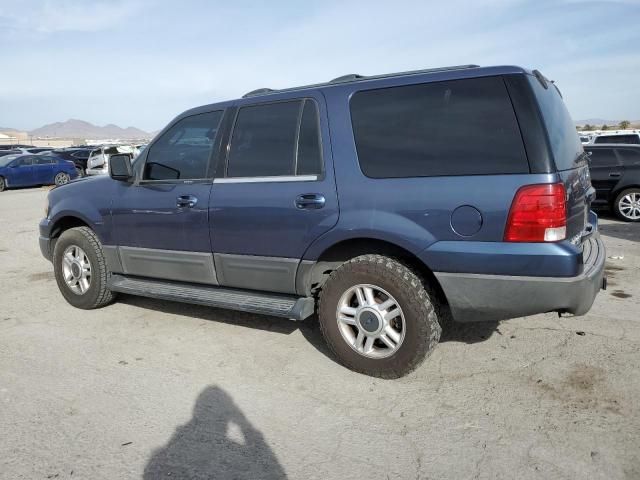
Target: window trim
[
  {"x": 181, "y": 181},
  {"x": 225, "y": 178}
]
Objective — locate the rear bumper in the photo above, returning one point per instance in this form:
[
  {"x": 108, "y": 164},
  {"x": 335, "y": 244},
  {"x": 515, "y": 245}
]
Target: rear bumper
[
  {"x": 479, "y": 297},
  {"x": 97, "y": 171}
]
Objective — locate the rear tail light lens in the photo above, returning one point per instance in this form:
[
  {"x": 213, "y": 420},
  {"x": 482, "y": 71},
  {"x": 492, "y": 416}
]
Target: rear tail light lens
[{"x": 538, "y": 214}]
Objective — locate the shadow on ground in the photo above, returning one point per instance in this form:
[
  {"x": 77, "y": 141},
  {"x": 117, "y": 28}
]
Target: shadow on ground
[
  {"x": 218, "y": 442},
  {"x": 451, "y": 332}
]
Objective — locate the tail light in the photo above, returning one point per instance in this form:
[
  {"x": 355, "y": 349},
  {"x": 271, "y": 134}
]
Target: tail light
[{"x": 538, "y": 214}]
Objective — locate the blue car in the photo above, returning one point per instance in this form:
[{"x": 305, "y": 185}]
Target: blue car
[
  {"x": 387, "y": 205},
  {"x": 25, "y": 170}
]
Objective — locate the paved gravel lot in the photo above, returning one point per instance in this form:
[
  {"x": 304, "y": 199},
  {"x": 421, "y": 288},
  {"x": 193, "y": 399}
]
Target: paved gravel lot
[{"x": 152, "y": 389}]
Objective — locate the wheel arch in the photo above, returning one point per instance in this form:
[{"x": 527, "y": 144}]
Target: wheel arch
[{"x": 311, "y": 276}]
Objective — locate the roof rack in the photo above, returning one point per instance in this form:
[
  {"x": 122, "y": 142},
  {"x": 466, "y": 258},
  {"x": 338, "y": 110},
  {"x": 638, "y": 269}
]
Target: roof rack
[{"x": 354, "y": 77}]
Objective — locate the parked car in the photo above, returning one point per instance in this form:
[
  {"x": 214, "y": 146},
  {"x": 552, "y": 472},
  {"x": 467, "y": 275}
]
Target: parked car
[
  {"x": 585, "y": 139},
  {"x": 25, "y": 170},
  {"x": 77, "y": 155},
  {"x": 98, "y": 162},
  {"x": 38, "y": 149},
  {"x": 615, "y": 174},
  {"x": 620, "y": 136},
  {"x": 9, "y": 152},
  {"x": 431, "y": 195}
]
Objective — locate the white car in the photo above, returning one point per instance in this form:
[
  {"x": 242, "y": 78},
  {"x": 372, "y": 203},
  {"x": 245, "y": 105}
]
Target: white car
[{"x": 98, "y": 161}]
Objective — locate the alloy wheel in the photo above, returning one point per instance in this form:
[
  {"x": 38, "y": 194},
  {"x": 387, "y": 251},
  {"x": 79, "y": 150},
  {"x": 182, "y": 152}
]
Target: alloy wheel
[
  {"x": 76, "y": 269},
  {"x": 371, "y": 321},
  {"x": 629, "y": 206}
]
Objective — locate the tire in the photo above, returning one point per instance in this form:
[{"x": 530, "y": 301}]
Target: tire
[
  {"x": 416, "y": 324},
  {"x": 3, "y": 184},
  {"x": 96, "y": 295},
  {"x": 627, "y": 205}
]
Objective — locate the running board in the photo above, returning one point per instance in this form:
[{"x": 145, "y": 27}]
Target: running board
[{"x": 276, "y": 304}]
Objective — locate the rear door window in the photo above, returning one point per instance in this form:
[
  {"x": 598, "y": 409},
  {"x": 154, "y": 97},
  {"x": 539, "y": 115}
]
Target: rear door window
[
  {"x": 276, "y": 139},
  {"x": 629, "y": 156},
  {"x": 603, "y": 157},
  {"x": 458, "y": 127}
]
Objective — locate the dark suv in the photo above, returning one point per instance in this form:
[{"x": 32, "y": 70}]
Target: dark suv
[
  {"x": 615, "y": 174},
  {"x": 386, "y": 204}
]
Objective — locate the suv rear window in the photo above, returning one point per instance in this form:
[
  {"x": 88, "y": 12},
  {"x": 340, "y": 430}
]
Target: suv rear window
[
  {"x": 458, "y": 127},
  {"x": 565, "y": 144},
  {"x": 631, "y": 139}
]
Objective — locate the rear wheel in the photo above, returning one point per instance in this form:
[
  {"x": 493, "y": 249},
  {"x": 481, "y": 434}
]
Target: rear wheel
[
  {"x": 627, "y": 205},
  {"x": 61, "y": 178},
  {"x": 81, "y": 270},
  {"x": 377, "y": 316}
]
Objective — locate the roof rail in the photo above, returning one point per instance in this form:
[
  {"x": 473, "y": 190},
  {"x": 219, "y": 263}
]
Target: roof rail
[
  {"x": 258, "y": 91},
  {"x": 347, "y": 78},
  {"x": 354, "y": 77}
]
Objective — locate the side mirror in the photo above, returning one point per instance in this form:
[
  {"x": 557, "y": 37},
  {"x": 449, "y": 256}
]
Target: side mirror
[{"x": 120, "y": 167}]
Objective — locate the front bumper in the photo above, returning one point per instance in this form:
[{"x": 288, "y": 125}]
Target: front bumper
[{"x": 478, "y": 297}]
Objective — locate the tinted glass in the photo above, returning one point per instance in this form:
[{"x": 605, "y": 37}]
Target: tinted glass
[
  {"x": 309, "y": 152},
  {"x": 629, "y": 156},
  {"x": 603, "y": 157},
  {"x": 183, "y": 151},
  {"x": 43, "y": 160},
  {"x": 263, "y": 143},
  {"x": 565, "y": 144},
  {"x": 631, "y": 139},
  {"x": 460, "y": 127},
  {"x": 81, "y": 154},
  {"x": 24, "y": 161}
]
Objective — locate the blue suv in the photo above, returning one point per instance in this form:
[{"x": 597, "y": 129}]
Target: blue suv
[{"x": 385, "y": 204}]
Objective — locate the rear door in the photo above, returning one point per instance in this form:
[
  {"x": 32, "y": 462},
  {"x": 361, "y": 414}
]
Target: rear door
[
  {"x": 275, "y": 193},
  {"x": 43, "y": 169},
  {"x": 606, "y": 171},
  {"x": 568, "y": 155}
]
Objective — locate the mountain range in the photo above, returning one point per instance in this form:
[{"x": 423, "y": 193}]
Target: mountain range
[{"x": 74, "y": 128}]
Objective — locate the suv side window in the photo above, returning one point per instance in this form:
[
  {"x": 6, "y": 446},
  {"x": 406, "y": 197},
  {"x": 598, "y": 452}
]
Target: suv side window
[
  {"x": 629, "y": 156},
  {"x": 276, "y": 139},
  {"x": 183, "y": 151},
  {"x": 458, "y": 127},
  {"x": 603, "y": 157}
]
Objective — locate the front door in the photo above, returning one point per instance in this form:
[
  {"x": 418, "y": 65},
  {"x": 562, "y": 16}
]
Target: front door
[
  {"x": 22, "y": 172},
  {"x": 161, "y": 220},
  {"x": 276, "y": 193}
]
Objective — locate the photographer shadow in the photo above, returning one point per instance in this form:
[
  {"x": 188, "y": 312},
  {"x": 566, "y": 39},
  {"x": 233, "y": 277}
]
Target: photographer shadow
[{"x": 217, "y": 443}]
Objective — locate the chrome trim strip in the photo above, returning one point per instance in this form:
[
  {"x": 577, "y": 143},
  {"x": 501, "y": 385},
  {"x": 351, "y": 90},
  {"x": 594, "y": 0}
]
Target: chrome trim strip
[{"x": 284, "y": 178}]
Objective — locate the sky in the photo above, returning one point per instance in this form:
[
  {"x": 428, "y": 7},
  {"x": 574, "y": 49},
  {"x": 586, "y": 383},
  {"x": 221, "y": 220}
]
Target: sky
[{"x": 141, "y": 62}]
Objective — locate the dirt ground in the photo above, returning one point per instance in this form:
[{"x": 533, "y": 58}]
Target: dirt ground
[{"x": 153, "y": 389}]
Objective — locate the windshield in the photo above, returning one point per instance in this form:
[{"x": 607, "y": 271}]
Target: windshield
[{"x": 4, "y": 161}]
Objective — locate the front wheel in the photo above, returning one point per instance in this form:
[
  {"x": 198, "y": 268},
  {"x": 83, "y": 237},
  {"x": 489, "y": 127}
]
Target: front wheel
[
  {"x": 61, "y": 178},
  {"x": 627, "y": 205},
  {"x": 377, "y": 316},
  {"x": 81, "y": 270}
]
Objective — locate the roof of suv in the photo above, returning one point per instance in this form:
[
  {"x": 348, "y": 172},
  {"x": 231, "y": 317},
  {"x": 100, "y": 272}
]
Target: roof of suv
[{"x": 357, "y": 78}]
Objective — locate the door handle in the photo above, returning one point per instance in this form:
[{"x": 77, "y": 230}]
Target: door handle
[
  {"x": 310, "y": 201},
  {"x": 615, "y": 174},
  {"x": 186, "y": 201}
]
